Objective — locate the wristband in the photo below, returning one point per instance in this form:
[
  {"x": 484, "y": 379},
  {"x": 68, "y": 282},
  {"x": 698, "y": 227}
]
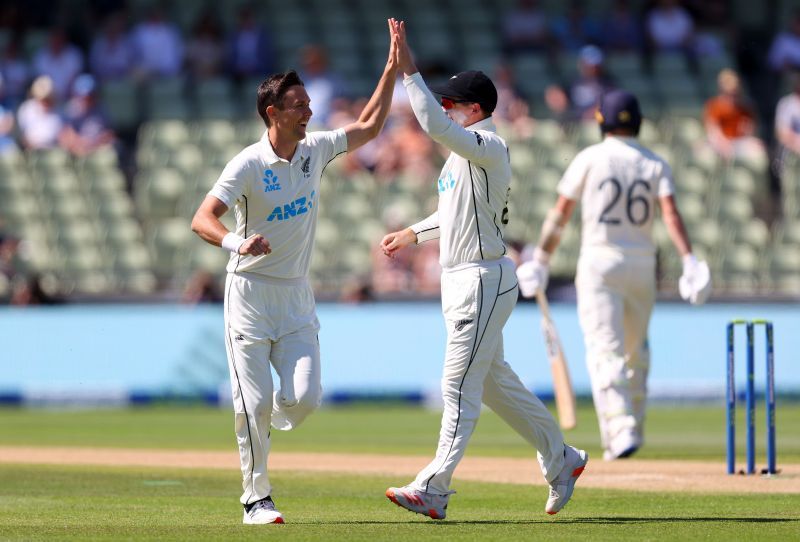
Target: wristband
[
  {"x": 541, "y": 255},
  {"x": 689, "y": 259},
  {"x": 232, "y": 242}
]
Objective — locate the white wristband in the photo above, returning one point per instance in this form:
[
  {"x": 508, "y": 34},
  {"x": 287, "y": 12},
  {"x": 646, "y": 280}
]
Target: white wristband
[
  {"x": 540, "y": 255},
  {"x": 232, "y": 242},
  {"x": 689, "y": 259}
]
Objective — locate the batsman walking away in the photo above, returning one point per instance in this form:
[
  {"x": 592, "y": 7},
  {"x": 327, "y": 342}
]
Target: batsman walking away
[
  {"x": 619, "y": 182},
  {"x": 479, "y": 289}
]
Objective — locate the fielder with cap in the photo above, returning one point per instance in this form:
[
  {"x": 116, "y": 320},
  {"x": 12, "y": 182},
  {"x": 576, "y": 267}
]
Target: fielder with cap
[
  {"x": 479, "y": 290},
  {"x": 619, "y": 182}
]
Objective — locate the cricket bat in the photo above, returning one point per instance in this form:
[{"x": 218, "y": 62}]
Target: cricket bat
[{"x": 562, "y": 386}]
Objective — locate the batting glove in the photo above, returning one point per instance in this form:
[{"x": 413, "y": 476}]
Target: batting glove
[
  {"x": 695, "y": 282},
  {"x": 532, "y": 275}
]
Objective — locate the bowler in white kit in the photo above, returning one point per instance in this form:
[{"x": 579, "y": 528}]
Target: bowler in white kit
[
  {"x": 619, "y": 183},
  {"x": 479, "y": 290},
  {"x": 270, "y": 314}
]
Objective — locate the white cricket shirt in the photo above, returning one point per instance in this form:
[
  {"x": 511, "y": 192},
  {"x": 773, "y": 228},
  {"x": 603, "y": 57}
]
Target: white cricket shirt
[
  {"x": 473, "y": 185},
  {"x": 617, "y": 182},
  {"x": 278, "y": 199}
]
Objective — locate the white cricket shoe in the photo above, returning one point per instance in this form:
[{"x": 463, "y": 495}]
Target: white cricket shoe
[
  {"x": 561, "y": 488},
  {"x": 261, "y": 512},
  {"x": 428, "y": 504}
]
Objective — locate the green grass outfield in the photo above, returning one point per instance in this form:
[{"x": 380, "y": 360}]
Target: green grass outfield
[{"x": 112, "y": 503}]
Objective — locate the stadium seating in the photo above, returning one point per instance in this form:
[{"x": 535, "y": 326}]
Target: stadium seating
[{"x": 98, "y": 239}]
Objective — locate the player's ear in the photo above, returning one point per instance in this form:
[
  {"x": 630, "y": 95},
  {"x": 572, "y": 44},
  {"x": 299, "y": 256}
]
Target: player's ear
[{"x": 271, "y": 112}]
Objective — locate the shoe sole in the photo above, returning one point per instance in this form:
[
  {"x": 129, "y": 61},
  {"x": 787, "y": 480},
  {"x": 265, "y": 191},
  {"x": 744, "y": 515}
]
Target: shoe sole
[
  {"x": 574, "y": 479},
  {"x": 277, "y": 521},
  {"x": 431, "y": 513}
]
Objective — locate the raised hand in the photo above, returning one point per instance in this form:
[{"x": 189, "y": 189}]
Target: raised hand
[
  {"x": 404, "y": 56},
  {"x": 392, "y": 61}
]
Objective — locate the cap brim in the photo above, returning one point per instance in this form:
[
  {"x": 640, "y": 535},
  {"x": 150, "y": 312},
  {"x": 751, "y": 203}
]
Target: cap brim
[{"x": 446, "y": 90}]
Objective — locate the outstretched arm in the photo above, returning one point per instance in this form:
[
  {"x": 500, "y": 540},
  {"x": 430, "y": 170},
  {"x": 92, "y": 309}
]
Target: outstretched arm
[
  {"x": 432, "y": 118},
  {"x": 373, "y": 116}
]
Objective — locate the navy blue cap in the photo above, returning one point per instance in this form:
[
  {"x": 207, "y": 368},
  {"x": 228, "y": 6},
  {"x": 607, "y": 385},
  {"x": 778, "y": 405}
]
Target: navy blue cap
[
  {"x": 472, "y": 86},
  {"x": 618, "y": 109}
]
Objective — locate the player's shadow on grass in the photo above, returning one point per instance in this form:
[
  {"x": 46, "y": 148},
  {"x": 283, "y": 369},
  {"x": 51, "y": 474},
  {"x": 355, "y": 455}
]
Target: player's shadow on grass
[
  {"x": 562, "y": 520},
  {"x": 624, "y": 520}
]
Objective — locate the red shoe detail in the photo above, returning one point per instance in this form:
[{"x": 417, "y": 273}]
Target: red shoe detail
[
  {"x": 432, "y": 513},
  {"x": 553, "y": 513},
  {"x": 390, "y": 494},
  {"x": 577, "y": 472},
  {"x": 278, "y": 520}
]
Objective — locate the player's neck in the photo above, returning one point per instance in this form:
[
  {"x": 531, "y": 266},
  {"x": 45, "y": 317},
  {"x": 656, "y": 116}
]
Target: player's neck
[{"x": 284, "y": 147}]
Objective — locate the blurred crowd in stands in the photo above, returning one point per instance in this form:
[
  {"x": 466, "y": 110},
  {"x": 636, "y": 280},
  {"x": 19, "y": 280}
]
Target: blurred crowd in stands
[{"x": 49, "y": 96}]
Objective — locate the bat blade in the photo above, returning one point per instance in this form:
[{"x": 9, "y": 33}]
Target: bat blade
[{"x": 562, "y": 385}]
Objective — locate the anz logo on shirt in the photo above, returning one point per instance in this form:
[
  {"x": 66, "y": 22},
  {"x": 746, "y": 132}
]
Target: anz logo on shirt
[
  {"x": 447, "y": 183},
  {"x": 300, "y": 206},
  {"x": 271, "y": 181}
]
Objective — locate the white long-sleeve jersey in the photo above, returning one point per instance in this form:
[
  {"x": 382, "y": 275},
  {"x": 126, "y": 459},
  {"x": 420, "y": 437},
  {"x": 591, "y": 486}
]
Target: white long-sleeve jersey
[{"x": 473, "y": 185}]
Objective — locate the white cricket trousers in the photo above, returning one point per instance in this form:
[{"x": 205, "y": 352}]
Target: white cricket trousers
[
  {"x": 477, "y": 300},
  {"x": 269, "y": 320},
  {"x": 616, "y": 293}
]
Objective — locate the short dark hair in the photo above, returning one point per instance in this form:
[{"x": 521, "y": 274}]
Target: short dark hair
[{"x": 272, "y": 90}]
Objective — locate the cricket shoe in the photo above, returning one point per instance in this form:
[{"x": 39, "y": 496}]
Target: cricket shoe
[
  {"x": 428, "y": 504},
  {"x": 261, "y": 512},
  {"x": 623, "y": 445},
  {"x": 561, "y": 488}
]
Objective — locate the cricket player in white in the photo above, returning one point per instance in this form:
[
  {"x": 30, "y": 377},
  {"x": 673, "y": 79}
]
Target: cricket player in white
[
  {"x": 479, "y": 290},
  {"x": 270, "y": 314},
  {"x": 618, "y": 182}
]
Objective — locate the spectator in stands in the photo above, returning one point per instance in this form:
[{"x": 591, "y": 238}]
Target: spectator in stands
[
  {"x": 621, "y": 29},
  {"x": 730, "y": 121},
  {"x": 9, "y": 255},
  {"x": 205, "y": 50},
  {"x": 787, "y": 118},
  {"x": 86, "y": 127},
  {"x": 669, "y": 27},
  {"x": 714, "y": 26},
  {"x": 512, "y": 112},
  {"x": 592, "y": 82},
  {"x": 31, "y": 291},
  {"x": 202, "y": 287},
  {"x": 39, "y": 121},
  {"x": 405, "y": 149},
  {"x": 784, "y": 53},
  {"x": 322, "y": 86},
  {"x": 557, "y": 101},
  {"x": 575, "y": 28},
  {"x": 250, "y": 47},
  {"x": 427, "y": 270},
  {"x": 158, "y": 46},
  {"x": 16, "y": 73},
  {"x": 7, "y": 143},
  {"x": 526, "y": 28},
  {"x": 60, "y": 60},
  {"x": 357, "y": 289},
  {"x": 396, "y": 276},
  {"x": 112, "y": 56}
]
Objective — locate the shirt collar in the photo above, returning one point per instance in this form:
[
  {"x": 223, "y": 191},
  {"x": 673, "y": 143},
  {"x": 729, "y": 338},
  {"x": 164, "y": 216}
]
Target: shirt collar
[
  {"x": 483, "y": 124},
  {"x": 273, "y": 158}
]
